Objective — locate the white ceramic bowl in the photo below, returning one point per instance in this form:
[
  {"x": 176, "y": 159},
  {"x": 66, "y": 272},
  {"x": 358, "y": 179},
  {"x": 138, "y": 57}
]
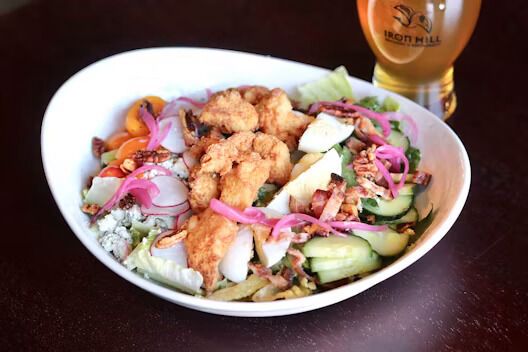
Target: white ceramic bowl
[{"x": 92, "y": 103}]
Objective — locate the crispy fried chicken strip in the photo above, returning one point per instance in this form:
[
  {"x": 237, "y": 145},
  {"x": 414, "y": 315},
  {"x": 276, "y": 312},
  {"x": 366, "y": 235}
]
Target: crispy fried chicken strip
[
  {"x": 204, "y": 187},
  {"x": 272, "y": 149},
  {"x": 209, "y": 237},
  {"x": 220, "y": 159},
  {"x": 253, "y": 94},
  {"x": 240, "y": 185},
  {"x": 277, "y": 118},
  {"x": 228, "y": 111}
]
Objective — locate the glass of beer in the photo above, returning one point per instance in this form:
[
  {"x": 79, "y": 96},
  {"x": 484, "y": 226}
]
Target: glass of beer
[{"x": 416, "y": 43}]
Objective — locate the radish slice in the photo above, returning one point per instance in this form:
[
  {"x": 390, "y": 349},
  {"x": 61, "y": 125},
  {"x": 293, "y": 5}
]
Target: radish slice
[
  {"x": 172, "y": 109},
  {"x": 174, "y": 139},
  {"x": 176, "y": 210},
  {"x": 172, "y": 191},
  {"x": 189, "y": 160}
]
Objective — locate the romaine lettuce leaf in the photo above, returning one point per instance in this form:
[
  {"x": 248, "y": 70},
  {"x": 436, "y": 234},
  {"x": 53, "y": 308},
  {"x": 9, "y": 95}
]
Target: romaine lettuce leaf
[
  {"x": 331, "y": 87},
  {"x": 163, "y": 270}
]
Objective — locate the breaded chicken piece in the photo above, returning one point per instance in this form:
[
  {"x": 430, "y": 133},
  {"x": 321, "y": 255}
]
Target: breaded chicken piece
[
  {"x": 277, "y": 118},
  {"x": 208, "y": 239},
  {"x": 204, "y": 187},
  {"x": 220, "y": 157},
  {"x": 229, "y": 112},
  {"x": 274, "y": 150},
  {"x": 198, "y": 149},
  {"x": 253, "y": 94},
  {"x": 239, "y": 187}
]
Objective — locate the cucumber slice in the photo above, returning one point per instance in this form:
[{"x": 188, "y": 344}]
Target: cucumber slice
[
  {"x": 369, "y": 263},
  {"x": 389, "y": 209},
  {"x": 323, "y": 264},
  {"x": 410, "y": 216},
  {"x": 386, "y": 243},
  {"x": 397, "y": 177},
  {"x": 398, "y": 139},
  {"x": 407, "y": 190},
  {"x": 336, "y": 247}
]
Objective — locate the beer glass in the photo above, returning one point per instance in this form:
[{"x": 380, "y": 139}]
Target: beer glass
[{"x": 416, "y": 43}]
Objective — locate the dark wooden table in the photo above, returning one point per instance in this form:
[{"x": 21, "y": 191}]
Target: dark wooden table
[{"x": 470, "y": 293}]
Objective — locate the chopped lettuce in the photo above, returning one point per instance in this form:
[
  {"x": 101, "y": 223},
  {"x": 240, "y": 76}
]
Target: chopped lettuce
[
  {"x": 395, "y": 125},
  {"x": 143, "y": 227},
  {"x": 265, "y": 194},
  {"x": 331, "y": 87},
  {"x": 372, "y": 103},
  {"x": 389, "y": 104},
  {"x": 102, "y": 189},
  {"x": 414, "y": 156},
  {"x": 108, "y": 157},
  {"x": 346, "y": 158},
  {"x": 338, "y": 148},
  {"x": 163, "y": 270},
  {"x": 348, "y": 174},
  {"x": 370, "y": 202}
]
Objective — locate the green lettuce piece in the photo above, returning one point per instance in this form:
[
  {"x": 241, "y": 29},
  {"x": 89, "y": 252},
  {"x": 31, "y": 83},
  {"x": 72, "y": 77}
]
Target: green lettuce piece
[
  {"x": 395, "y": 125},
  {"x": 371, "y": 103},
  {"x": 346, "y": 158},
  {"x": 143, "y": 227},
  {"x": 338, "y": 148},
  {"x": 414, "y": 156},
  {"x": 348, "y": 174},
  {"x": 369, "y": 201},
  {"x": 163, "y": 270},
  {"x": 331, "y": 87},
  {"x": 265, "y": 194},
  {"x": 108, "y": 157},
  {"x": 390, "y": 104}
]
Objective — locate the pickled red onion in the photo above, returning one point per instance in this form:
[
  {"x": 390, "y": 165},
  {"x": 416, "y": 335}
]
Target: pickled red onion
[
  {"x": 377, "y": 139},
  {"x": 126, "y": 186},
  {"x": 142, "y": 197},
  {"x": 191, "y": 101},
  {"x": 386, "y": 175},
  {"x": 163, "y": 134},
  {"x": 150, "y": 121},
  {"x": 248, "y": 216},
  {"x": 286, "y": 221},
  {"x": 395, "y": 155},
  {"x": 356, "y": 225},
  {"x": 379, "y": 117}
]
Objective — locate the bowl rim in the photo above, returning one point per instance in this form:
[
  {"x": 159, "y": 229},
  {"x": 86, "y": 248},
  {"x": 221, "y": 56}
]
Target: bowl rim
[{"x": 257, "y": 309}]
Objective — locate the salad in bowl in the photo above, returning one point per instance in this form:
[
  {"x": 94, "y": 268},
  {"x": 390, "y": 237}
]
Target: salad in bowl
[{"x": 253, "y": 195}]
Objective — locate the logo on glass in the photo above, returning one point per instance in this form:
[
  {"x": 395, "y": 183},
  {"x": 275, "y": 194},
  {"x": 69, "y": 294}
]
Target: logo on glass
[
  {"x": 410, "y": 18},
  {"x": 416, "y": 31}
]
